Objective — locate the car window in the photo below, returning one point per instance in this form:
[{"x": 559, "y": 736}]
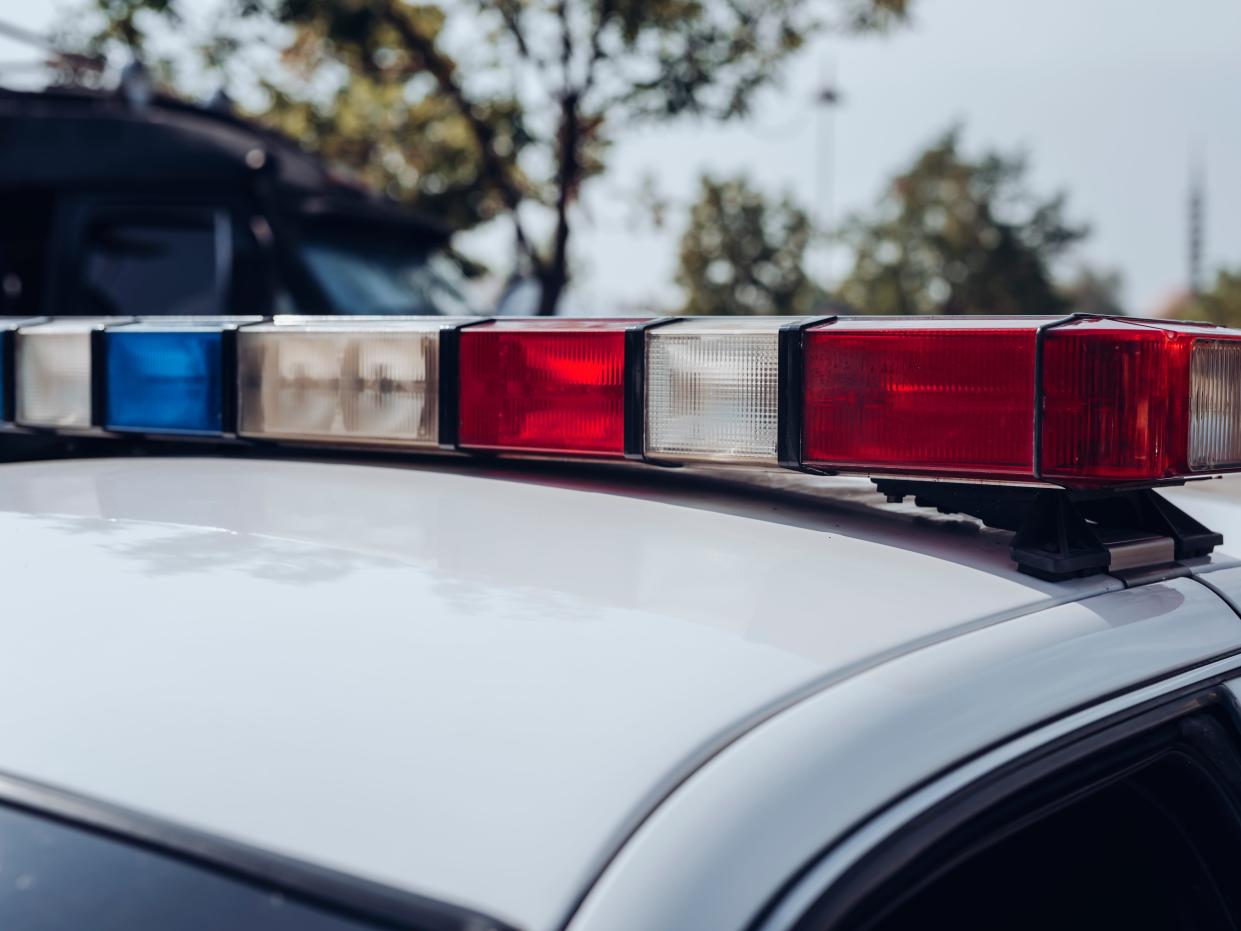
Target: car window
[
  {"x": 56, "y": 877},
  {"x": 157, "y": 262},
  {"x": 383, "y": 271},
  {"x": 1146, "y": 836},
  {"x": 25, "y": 229}
]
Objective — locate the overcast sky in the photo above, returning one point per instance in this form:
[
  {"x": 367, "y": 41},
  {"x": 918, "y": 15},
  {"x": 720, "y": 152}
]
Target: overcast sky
[{"x": 1110, "y": 98}]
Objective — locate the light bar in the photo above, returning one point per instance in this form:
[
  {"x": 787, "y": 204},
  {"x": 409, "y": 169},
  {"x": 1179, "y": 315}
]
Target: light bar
[
  {"x": 1115, "y": 401},
  {"x": 53, "y": 373},
  {"x": 544, "y": 386},
  {"x": 711, "y": 390},
  {"x": 172, "y": 375},
  {"x": 1215, "y": 405},
  {"x": 1082, "y": 402},
  {"x": 8, "y": 368},
  {"x": 929, "y": 396},
  {"x": 358, "y": 381}
]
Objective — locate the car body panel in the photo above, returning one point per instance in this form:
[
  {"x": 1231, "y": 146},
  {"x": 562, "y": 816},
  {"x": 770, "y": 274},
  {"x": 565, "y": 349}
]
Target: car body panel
[
  {"x": 759, "y": 813},
  {"x": 825, "y": 872},
  {"x": 471, "y": 682}
]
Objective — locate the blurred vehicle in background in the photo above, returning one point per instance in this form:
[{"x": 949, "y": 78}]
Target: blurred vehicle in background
[{"x": 132, "y": 203}]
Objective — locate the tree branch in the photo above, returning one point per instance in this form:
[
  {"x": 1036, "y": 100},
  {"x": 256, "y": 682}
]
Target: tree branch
[
  {"x": 596, "y": 44},
  {"x": 494, "y": 168}
]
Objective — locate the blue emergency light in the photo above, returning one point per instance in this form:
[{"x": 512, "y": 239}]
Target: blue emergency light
[{"x": 168, "y": 379}]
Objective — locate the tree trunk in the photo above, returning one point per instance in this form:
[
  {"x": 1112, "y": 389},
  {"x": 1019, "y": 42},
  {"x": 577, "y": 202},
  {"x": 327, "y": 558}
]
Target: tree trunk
[
  {"x": 552, "y": 285},
  {"x": 555, "y": 275}
]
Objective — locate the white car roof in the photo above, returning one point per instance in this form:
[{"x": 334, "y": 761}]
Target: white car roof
[{"x": 470, "y": 682}]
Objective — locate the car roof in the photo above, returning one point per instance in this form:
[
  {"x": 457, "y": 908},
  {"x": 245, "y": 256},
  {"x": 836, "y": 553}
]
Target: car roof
[
  {"x": 83, "y": 139},
  {"x": 469, "y": 681}
]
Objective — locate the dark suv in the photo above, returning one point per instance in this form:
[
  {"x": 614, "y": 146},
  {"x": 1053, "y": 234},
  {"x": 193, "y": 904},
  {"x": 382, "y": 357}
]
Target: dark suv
[{"x": 160, "y": 208}]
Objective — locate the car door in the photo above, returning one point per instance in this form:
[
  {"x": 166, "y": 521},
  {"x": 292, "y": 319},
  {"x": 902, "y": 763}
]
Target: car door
[
  {"x": 853, "y": 800},
  {"x": 1136, "y": 824},
  {"x": 1130, "y": 821},
  {"x": 142, "y": 255}
]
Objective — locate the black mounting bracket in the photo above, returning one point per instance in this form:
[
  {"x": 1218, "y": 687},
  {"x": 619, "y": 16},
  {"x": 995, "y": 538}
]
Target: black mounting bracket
[{"x": 1065, "y": 533}]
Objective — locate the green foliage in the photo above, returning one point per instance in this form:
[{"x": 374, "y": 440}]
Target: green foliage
[
  {"x": 1220, "y": 304},
  {"x": 476, "y": 107},
  {"x": 1092, "y": 291},
  {"x": 123, "y": 21},
  {"x": 954, "y": 235},
  {"x": 743, "y": 254}
]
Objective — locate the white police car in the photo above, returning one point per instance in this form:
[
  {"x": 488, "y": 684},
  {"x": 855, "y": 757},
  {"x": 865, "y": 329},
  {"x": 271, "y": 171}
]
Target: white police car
[{"x": 270, "y": 683}]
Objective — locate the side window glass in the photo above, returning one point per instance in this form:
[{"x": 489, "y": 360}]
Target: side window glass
[
  {"x": 1143, "y": 835},
  {"x": 25, "y": 232},
  {"x": 157, "y": 262},
  {"x": 56, "y": 877}
]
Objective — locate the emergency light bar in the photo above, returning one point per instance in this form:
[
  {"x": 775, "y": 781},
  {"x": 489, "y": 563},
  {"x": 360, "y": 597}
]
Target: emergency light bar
[
  {"x": 53, "y": 371},
  {"x": 170, "y": 376},
  {"x": 712, "y": 390},
  {"x": 1076, "y": 402},
  {"x": 8, "y": 371},
  {"x": 544, "y": 386},
  {"x": 366, "y": 381}
]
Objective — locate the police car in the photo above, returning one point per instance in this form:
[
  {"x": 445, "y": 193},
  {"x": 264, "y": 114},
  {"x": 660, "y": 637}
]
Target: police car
[
  {"x": 443, "y": 623},
  {"x": 132, "y": 202}
]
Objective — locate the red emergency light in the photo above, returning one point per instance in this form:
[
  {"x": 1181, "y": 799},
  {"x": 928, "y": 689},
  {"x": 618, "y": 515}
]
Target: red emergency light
[
  {"x": 1078, "y": 401},
  {"x": 544, "y": 386}
]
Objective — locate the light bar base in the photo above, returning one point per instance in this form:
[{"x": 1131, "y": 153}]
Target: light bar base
[{"x": 1062, "y": 534}]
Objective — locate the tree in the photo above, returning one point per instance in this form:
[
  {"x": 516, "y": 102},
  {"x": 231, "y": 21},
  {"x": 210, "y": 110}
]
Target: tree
[
  {"x": 953, "y": 235},
  {"x": 1220, "y": 304},
  {"x": 527, "y": 94},
  {"x": 1093, "y": 291},
  {"x": 743, "y": 255}
]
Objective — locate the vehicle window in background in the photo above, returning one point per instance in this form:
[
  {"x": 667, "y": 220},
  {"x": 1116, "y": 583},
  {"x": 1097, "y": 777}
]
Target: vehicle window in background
[
  {"x": 25, "y": 228},
  {"x": 54, "y": 877},
  {"x": 1152, "y": 840},
  {"x": 364, "y": 272},
  {"x": 158, "y": 263}
]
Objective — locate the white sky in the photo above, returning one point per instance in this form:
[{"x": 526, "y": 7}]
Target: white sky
[{"x": 1111, "y": 98}]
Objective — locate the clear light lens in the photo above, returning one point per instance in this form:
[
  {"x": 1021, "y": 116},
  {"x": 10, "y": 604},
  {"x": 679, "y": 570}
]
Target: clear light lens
[
  {"x": 364, "y": 383},
  {"x": 1215, "y": 405},
  {"x": 711, "y": 390},
  {"x": 53, "y": 380}
]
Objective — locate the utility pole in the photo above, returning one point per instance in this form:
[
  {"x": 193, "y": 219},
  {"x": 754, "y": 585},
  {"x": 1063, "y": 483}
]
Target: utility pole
[
  {"x": 826, "y": 98},
  {"x": 1197, "y": 216}
]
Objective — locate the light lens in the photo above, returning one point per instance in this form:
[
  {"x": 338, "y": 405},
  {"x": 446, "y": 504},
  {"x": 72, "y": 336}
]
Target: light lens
[
  {"x": 1115, "y": 402},
  {"x": 554, "y": 387},
  {"x": 168, "y": 381},
  {"x": 711, "y": 390},
  {"x": 365, "y": 383},
  {"x": 6, "y": 375},
  {"x": 53, "y": 382},
  {"x": 937, "y": 397},
  {"x": 1215, "y": 405}
]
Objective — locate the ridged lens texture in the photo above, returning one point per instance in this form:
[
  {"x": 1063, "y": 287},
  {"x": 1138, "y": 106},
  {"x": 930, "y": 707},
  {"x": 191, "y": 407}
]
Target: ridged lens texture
[
  {"x": 164, "y": 381},
  {"x": 556, "y": 388},
  {"x": 54, "y": 375},
  {"x": 1116, "y": 401},
  {"x": 712, "y": 396},
  {"x": 366, "y": 387},
  {"x": 952, "y": 401},
  {"x": 1215, "y": 405}
]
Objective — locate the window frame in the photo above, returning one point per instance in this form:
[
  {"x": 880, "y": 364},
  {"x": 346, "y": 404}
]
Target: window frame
[
  {"x": 321, "y": 887},
  {"x": 250, "y": 282},
  {"x": 810, "y": 902}
]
